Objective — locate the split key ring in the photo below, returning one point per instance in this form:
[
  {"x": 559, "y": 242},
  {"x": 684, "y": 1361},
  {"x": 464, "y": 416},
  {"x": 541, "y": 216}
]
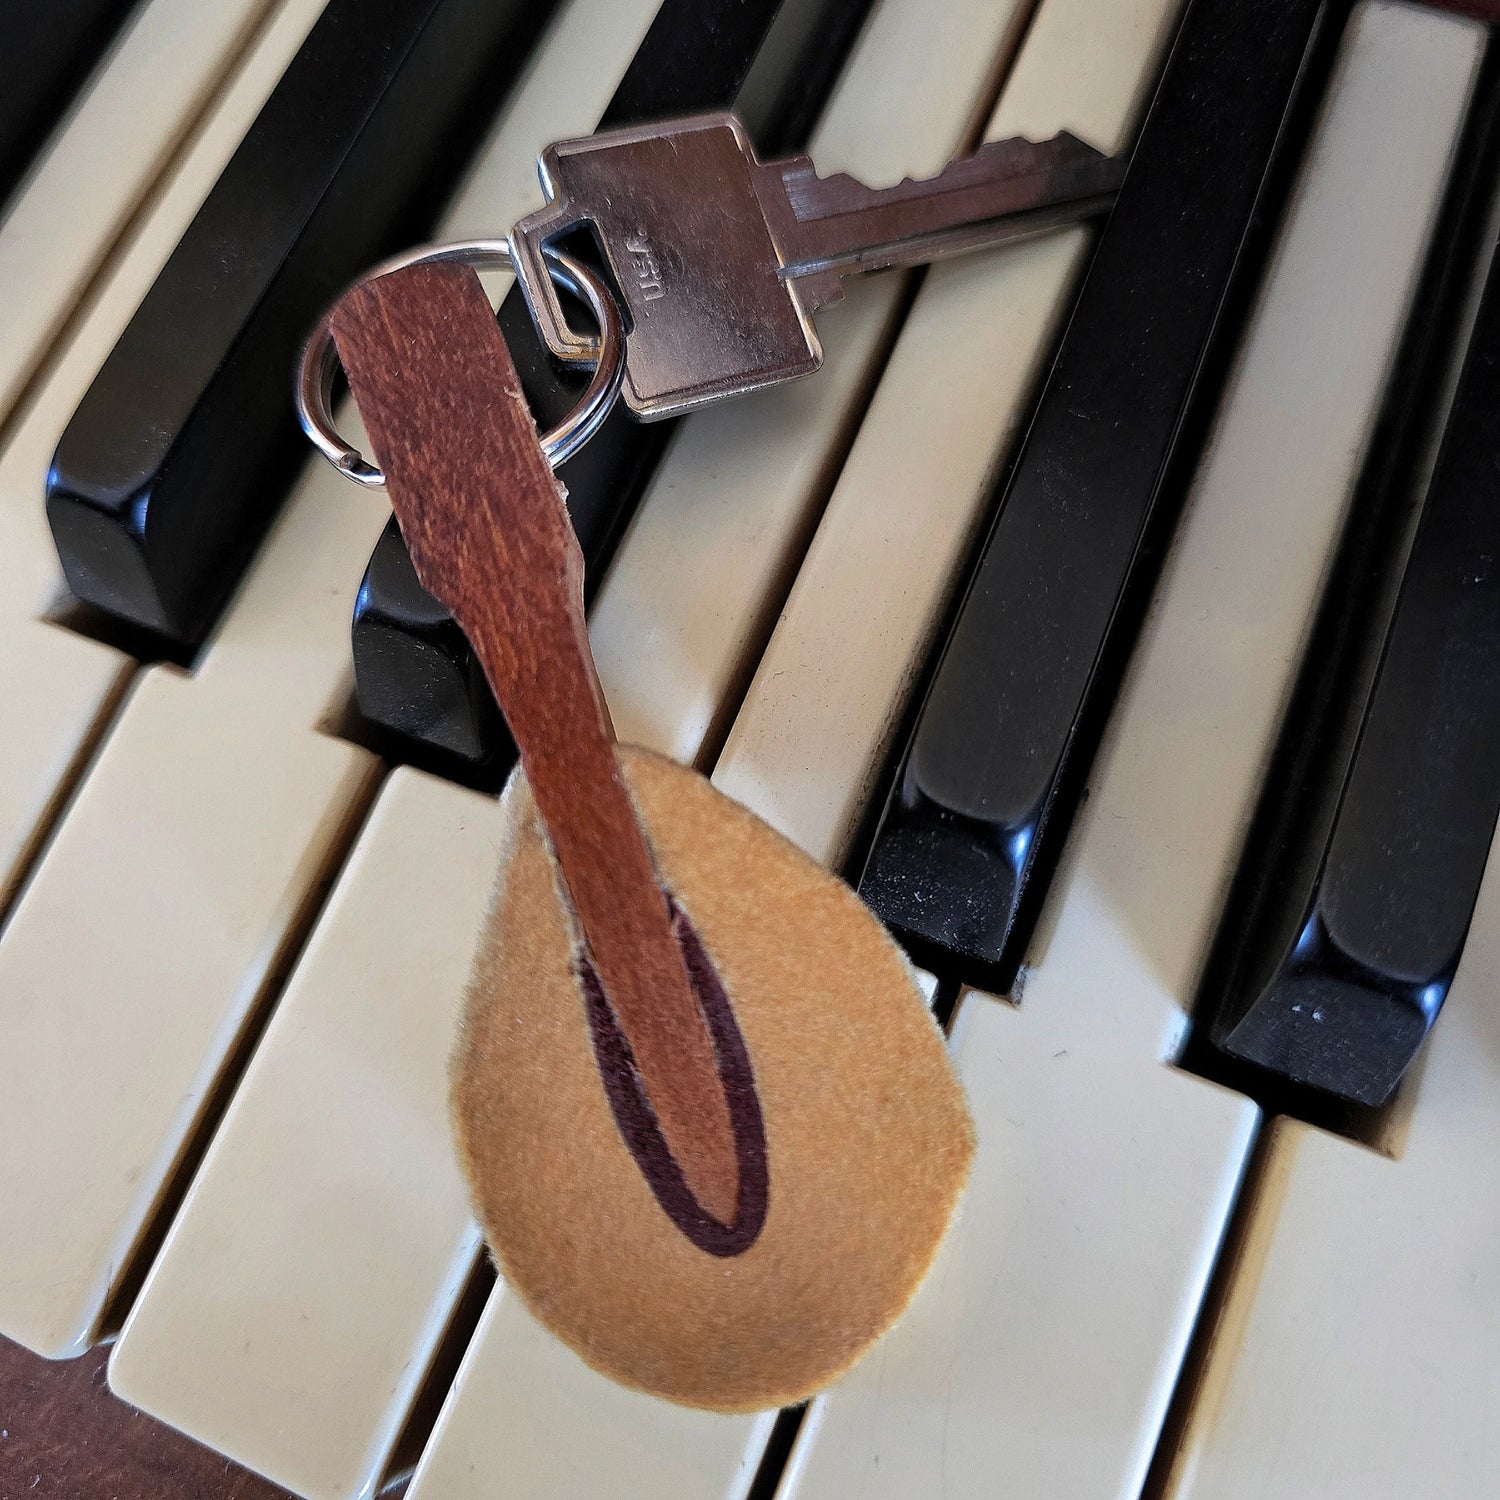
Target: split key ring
[{"x": 320, "y": 359}]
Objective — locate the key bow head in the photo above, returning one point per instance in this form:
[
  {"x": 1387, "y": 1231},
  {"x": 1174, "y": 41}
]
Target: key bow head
[{"x": 677, "y": 210}]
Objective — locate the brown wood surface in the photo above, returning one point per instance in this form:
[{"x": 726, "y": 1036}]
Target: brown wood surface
[
  {"x": 485, "y": 521},
  {"x": 1480, "y": 10},
  {"x": 63, "y": 1436}
]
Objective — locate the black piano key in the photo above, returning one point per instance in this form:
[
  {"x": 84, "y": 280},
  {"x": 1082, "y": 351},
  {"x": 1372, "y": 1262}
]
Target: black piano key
[
  {"x": 774, "y": 62},
  {"x": 984, "y": 792},
  {"x": 46, "y": 53},
  {"x": 179, "y": 453},
  {"x": 1348, "y": 916}
]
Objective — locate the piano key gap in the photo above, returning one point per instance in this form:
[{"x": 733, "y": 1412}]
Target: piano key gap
[
  {"x": 1236, "y": 1267},
  {"x": 1230, "y": 1293},
  {"x": 945, "y": 1003},
  {"x": 441, "y": 1371},
  {"x": 777, "y": 1453},
  {"x": 773, "y": 601},
  {"x": 1323, "y": 716}
]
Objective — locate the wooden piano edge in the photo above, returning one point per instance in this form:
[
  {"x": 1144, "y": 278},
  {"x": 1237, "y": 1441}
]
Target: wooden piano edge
[{"x": 64, "y": 1436}]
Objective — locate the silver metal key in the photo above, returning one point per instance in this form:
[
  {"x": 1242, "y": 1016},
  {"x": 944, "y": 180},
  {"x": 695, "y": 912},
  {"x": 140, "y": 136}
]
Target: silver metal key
[{"x": 722, "y": 259}]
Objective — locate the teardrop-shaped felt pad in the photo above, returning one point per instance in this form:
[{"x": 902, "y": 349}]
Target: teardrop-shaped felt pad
[{"x": 867, "y": 1137}]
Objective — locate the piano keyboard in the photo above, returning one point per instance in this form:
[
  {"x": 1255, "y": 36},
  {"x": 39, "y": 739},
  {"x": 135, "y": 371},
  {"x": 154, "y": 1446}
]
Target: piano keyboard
[{"x": 238, "y": 901}]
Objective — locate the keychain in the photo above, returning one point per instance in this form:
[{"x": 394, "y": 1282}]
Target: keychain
[{"x": 709, "y": 1124}]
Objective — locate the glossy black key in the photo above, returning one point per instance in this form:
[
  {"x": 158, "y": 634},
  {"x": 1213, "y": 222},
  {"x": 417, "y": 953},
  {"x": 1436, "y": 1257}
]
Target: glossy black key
[
  {"x": 46, "y": 53},
  {"x": 179, "y": 454},
  {"x": 1350, "y": 911},
  {"x": 984, "y": 792},
  {"x": 772, "y": 61}
]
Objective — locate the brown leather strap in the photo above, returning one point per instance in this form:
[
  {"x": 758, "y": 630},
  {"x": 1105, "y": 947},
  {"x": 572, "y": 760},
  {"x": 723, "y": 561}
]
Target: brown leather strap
[{"x": 485, "y": 521}]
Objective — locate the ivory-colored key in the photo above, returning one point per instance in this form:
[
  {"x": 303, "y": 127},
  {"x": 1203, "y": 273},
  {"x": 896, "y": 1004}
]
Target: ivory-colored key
[
  {"x": 1355, "y": 1353},
  {"x": 58, "y": 686},
  {"x": 298, "y": 1203},
  {"x": 568, "y": 1432},
  {"x": 1355, "y": 1359},
  {"x": 187, "y": 859},
  {"x": 1040, "y": 1356},
  {"x": 743, "y": 484},
  {"x": 813, "y": 733},
  {"x": 1102, "y": 1183},
  {"x": 329, "y": 1214},
  {"x": 59, "y": 689}
]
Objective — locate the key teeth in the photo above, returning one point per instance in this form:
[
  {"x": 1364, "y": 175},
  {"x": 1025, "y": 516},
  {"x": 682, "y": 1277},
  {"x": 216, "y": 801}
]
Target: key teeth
[{"x": 812, "y": 196}]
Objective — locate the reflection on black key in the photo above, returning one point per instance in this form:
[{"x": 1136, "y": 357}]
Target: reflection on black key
[
  {"x": 1356, "y": 915},
  {"x": 178, "y": 455},
  {"x": 46, "y": 52},
  {"x": 983, "y": 796},
  {"x": 774, "y": 62}
]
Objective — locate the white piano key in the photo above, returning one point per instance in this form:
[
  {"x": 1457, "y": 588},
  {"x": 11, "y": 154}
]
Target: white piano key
[
  {"x": 200, "y": 836},
  {"x": 743, "y": 482},
  {"x": 1040, "y": 1357},
  {"x": 57, "y": 687},
  {"x": 1356, "y": 1356},
  {"x": 294, "y": 1205},
  {"x": 142, "y": 101},
  {"x": 328, "y": 1218},
  {"x": 126, "y": 977},
  {"x": 1037, "y": 1343},
  {"x": 813, "y": 734},
  {"x": 579, "y": 1437}
]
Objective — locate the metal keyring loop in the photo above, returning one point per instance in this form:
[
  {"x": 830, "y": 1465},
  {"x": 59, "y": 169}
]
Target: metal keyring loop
[{"x": 320, "y": 358}]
